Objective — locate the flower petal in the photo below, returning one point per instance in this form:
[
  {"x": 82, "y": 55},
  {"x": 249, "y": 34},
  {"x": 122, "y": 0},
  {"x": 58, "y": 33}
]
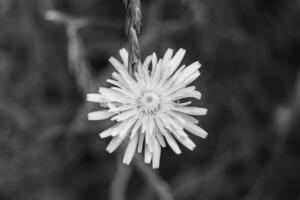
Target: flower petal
[
  {"x": 190, "y": 110},
  {"x": 167, "y": 56},
  {"x": 130, "y": 150},
  {"x": 108, "y": 132},
  {"x": 97, "y": 98},
  {"x": 113, "y": 95},
  {"x": 125, "y": 115},
  {"x": 172, "y": 143},
  {"x": 188, "y": 118},
  {"x": 127, "y": 126},
  {"x": 100, "y": 115},
  {"x": 196, "y": 130},
  {"x": 124, "y": 73},
  {"x": 135, "y": 129},
  {"x": 114, "y": 144},
  {"x": 187, "y": 142},
  {"x": 121, "y": 108},
  {"x": 141, "y": 141},
  {"x": 156, "y": 155},
  {"x": 148, "y": 155},
  {"x": 154, "y": 63},
  {"x": 160, "y": 138},
  {"x": 175, "y": 61},
  {"x": 124, "y": 55}
]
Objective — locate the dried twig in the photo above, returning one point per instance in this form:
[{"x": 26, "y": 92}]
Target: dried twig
[{"x": 78, "y": 65}]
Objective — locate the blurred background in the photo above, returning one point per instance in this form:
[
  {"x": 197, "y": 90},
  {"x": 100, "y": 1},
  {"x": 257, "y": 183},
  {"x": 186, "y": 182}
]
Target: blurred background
[{"x": 250, "y": 83}]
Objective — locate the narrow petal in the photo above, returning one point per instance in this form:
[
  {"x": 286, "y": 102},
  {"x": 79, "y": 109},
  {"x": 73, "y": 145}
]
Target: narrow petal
[
  {"x": 147, "y": 62},
  {"x": 130, "y": 150},
  {"x": 190, "y": 70},
  {"x": 166, "y": 67},
  {"x": 113, "y": 95},
  {"x": 122, "y": 70},
  {"x": 188, "y": 118},
  {"x": 173, "y": 80},
  {"x": 186, "y": 92},
  {"x": 148, "y": 155},
  {"x": 128, "y": 125},
  {"x": 190, "y": 110},
  {"x": 114, "y": 82},
  {"x": 174, "y": 125},
  {"x": 135, "y": 129},
  {"x": 149, "y": 141},
  {"x": 160, "y": 125},
  {"x": 121, "y": 108},
  {"x": 118, "y": 128},
  {"x": 154, "y": 63},
  {"x": 118, "y": 77},
  {"x": 117, "y": 65},
  {"x": 196, "y": 130},
  {"x": 176, "y": 116},
  {"x": 192, "y": 94},
  {"x": 160, "y": 138},
  {"x": 167, "y": 56},
  {"x": 144, "y": 124},
  {"x": 176, "y": 60},
  {"x": 124, "y": 55},
  {"x": 125, "y": 92},
  {"x": 187, "y": 142},
  {"x": 140, "y": 79},
  {"x": 145, "y": 68},
  {"x": 100, "y": 115},
  {"x": 125, "y": 115},
  {"x": 192, "y": 67},
  {"x": 108, "y": 132},
  {"x": 105, "y": 133},
  {"x": 184, "y": 103},
  {"x": 172, "y": 143},
  {"x": 114, "y": 144},
  {"x": 158, "y": 72},
  {"x": 121, "y": 88},
  {"x": 97, "y": 98},
  {"x": 156, "y": 155},
  {"x": 141, "y": 141},
  {"x": 191, "y": 78}
]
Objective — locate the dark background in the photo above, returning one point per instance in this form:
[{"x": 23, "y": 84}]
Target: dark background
[{"x": 249, "y": 50}]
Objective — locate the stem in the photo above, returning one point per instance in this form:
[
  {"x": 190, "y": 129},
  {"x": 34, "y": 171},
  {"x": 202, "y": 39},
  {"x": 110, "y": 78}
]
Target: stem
[
  {"x": 132, "y": 29},
  {"x": 161, "y": 187},
  {"x": 120, "y": 181}
]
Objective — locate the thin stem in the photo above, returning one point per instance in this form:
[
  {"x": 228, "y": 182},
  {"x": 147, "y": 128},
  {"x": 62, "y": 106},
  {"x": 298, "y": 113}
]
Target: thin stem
[
  {"x": 159, "y": 185},
  {"x": 120, "y": 181},
  {"x": 132, "y": 29}
]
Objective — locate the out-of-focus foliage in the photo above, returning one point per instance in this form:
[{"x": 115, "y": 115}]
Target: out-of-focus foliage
[{"x": 250, "y": 83}]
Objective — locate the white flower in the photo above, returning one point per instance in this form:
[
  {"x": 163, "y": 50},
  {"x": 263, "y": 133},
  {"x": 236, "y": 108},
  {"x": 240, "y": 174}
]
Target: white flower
[{"x": 147, "y": 107}]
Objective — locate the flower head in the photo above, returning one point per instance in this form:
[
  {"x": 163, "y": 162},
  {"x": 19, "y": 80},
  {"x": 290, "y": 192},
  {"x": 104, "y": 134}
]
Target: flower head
[{"x": 147, "y": 108}]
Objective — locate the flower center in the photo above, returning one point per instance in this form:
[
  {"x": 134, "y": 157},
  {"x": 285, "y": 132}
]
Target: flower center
[{"x": 149, "y": 103}]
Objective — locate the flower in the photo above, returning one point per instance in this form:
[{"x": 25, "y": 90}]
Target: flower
[{"x": 146, "y": 106}]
